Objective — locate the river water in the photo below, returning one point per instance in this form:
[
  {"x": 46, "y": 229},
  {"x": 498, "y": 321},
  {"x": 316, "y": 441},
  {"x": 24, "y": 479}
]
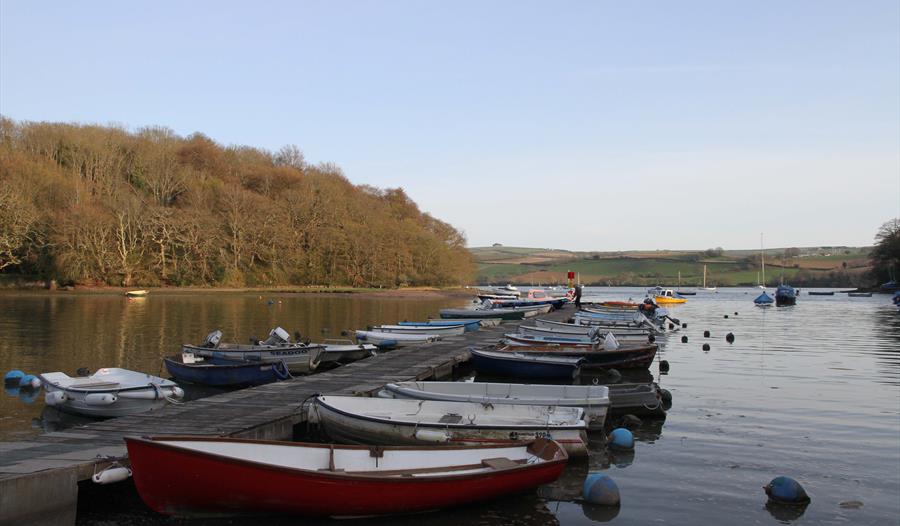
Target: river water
[{"x": 811, "y": 391}]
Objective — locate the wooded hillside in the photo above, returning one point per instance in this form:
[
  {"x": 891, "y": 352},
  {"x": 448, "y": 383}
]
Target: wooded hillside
[{"x": 96, "y": 204}]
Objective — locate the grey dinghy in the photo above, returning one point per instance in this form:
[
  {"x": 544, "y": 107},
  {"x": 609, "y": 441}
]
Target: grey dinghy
[
  {"x": 109, "y": 392},
  {"x": 594, "y": 399},
  {"x": 299, "y": 357},
  {"x": 362, "y": 420}
]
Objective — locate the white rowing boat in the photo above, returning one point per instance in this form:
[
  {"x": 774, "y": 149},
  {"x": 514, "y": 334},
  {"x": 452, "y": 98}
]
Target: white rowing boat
[{"x": 361, "y": 420}]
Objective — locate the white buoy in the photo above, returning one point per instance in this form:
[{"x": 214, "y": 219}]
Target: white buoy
[{"x": 111, "y": 475}]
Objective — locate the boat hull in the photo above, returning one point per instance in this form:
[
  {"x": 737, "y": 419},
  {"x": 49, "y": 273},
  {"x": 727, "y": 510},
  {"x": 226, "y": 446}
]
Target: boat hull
[
  {"x": 173, "y": 481},
  {"x": 513, "y": 367},
  {"x": 594, "y": 400},
  {"x": 108, "y": 393},
  {"x": 218, "y": 372},
  {"x": 637, "y": 357},
  {"x": 353, "y": 428},
  {"x": 300, "y": 359}
]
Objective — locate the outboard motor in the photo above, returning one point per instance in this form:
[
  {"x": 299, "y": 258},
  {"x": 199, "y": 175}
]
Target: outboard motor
[
  {"x": 212, "y": 339},
  {"x": 278, "y": 336}
]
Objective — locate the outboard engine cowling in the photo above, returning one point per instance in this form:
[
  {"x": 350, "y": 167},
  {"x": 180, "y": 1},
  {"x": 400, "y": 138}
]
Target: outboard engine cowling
[
  {"x": 212, "y": 339},
  {"x": 278, "y": 336}
]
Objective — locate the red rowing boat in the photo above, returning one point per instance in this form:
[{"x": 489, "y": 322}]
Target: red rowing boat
[{"x": 204, "y": 475}]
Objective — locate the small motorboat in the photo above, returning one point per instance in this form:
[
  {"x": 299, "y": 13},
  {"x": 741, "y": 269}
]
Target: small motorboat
[
  {"x": 594, "y": 399},
  {"x": 278, "y": 347},
  {"x": 221, "y": 372},
  {"x": 109, "y": 392},
  {"x": 363, "y": 420},
  {"x": 820, "y": 293},
  {"x": 859, "y": 294},
  {"x": 137, "y": 293},
  {"x": 663, "y": 296},
  {"x": 191, "y": 476},
  {"x": 530, "y": 367},
  {"x": 390, "y": 340},
  {"x": 785, "y": 296}
]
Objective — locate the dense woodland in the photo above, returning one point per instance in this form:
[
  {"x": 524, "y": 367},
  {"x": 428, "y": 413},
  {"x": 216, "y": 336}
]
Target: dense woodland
[{"x": 95, "y": 204}]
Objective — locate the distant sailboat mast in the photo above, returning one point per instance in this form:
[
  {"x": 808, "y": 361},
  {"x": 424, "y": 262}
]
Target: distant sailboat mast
[{"x": 762, "y": 258}]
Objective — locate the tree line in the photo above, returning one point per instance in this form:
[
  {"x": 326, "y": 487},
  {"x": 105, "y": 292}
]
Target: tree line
[{"x": 100, "y": 204}]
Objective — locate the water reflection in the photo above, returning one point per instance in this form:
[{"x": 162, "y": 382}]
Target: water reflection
[{"x": 786, "y": 513}]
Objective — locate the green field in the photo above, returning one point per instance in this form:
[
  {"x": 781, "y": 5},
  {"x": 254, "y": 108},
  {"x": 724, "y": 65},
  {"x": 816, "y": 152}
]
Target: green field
[{"x": 730, "y": 268}]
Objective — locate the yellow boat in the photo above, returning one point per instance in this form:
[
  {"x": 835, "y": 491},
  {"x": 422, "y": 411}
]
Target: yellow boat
[{"x": 666, "y": 296}]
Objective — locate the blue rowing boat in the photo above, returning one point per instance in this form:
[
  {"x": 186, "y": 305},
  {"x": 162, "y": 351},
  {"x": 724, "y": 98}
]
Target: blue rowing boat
[
  {"x": 525, "y": 366},
  {"x": 222, "y": 372}
]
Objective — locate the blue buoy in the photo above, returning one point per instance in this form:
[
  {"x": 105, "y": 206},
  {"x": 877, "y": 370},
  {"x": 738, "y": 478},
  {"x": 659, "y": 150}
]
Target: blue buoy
[
  {"x": 786, "y": 490},
  {"x": 621, "y": 438},
  {"x": 13, "y": 377},
  {"x": 30, "y": 381},
  {"x": 601, "y": 490}
]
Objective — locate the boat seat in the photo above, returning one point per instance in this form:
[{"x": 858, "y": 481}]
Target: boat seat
[
  {"x": 95, "y": 385},
  {"x": 499, "y": 463}
]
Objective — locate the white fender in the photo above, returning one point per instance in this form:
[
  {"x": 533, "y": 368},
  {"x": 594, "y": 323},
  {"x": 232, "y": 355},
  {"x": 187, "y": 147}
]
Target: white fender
[
  {"x": 177, "y": 392},
  {"x": 111, "y": 475},
  {"x": 430, "y": 435},
  {"x": 143, "y": 394},
  {"x": 55, "y": 398},
  {"x": 100, "y": 399}
]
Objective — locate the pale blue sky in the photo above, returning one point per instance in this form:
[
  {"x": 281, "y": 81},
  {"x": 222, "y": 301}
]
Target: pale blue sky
[{"x": 578, "y": 125}]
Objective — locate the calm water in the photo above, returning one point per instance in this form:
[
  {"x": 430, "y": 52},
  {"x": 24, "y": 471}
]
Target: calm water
[{"x": 811, "y": 391}]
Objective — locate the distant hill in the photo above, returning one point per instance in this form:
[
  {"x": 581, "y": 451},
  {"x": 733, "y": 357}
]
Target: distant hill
[{"x": 806, "y": 266}]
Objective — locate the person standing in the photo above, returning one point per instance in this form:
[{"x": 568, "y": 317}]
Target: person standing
[{"x": 577, "y": 296}]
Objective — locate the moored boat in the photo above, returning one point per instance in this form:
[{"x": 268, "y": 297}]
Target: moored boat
[
  {"x": 562, "y": 329},
  {"x": 390, "y": 340},
  {"x": 362, "y": 420},
  {"x": 109, "y": 392},
  {"x": 345, "y": 351},
  {"x": 440, "y": 330},
  {"x": 859, "y": 294},
  {"x": 506, "y": 313},
  {"x": 137, "y": 293},
  {"x": 220, "y": 372},
  {"x": 820, "y": 293},
  {"x": 515, "y": 365},
  {"x": 624, "y": 357},
  {"x": 469, "y": 325},
  {"x": 593, "y": 399},
  {"x": 785, "y": 295},
  {"x": 203, "y": 475},
  {"x": 299, "y": 357},
  {"x": 664, "y": 296},
  {"x": 763, "y": 300}
]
